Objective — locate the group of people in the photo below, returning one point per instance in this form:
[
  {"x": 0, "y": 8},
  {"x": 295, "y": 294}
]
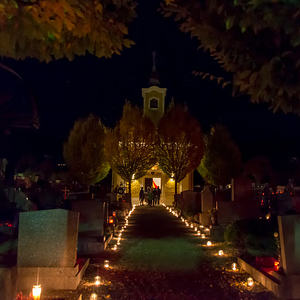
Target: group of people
[{"x": 151, "y": 196}]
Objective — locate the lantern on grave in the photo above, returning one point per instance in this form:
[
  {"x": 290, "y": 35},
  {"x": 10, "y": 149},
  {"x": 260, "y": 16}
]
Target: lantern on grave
[
  {"x": 221, "y": 253},
  {"x": 97, "y": 280},
  {"x": 36, "y": 291},
  {"x": 208, "y": 243},
  {"x": 106, "y": 264},
  {"x": 234, "y": 267},
  {"x": 250, "y": 281},
  {"x": 94, "y": 296}
]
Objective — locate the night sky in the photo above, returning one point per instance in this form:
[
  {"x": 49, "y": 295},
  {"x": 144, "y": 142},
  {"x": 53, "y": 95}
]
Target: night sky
[{"x": 67, "y": 90}]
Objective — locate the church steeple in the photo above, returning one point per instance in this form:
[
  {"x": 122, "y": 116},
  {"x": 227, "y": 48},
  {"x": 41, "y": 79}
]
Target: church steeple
[
  {"x": 154, "y": 79},
  {"x": 154, "y": 96}
]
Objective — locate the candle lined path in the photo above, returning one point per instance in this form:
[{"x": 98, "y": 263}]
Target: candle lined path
[{"x": 159, "y": 257}]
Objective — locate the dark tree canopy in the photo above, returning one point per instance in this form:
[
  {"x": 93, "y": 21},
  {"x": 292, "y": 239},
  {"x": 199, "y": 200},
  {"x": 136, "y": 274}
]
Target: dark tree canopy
[
  {"x": 84, "y": 151},
  {"x": 257, "y": 41},
  {"x": 53, "y": 29},
  {"x": 129, "y": 147},
  {"x": 179, "y": 144},
  {"x": 222, "y": 158}
]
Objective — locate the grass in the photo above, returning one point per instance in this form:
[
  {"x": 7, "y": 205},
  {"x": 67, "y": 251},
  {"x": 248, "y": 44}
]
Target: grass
[{"x": 168, "y": 254}]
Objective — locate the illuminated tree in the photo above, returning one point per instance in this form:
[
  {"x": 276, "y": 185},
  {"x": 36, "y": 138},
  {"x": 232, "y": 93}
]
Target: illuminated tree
[
  {"x": 258, "y": 42},
  {"x": 222, "y": 158},
  {"x": 129, "y": 147},
  {"x": 179, "y": 146},
  {"x": 53, "y": 29},
  {"x": 84, "y": 151}
]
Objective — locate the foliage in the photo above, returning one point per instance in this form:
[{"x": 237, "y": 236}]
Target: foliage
[
  {"x": 129, "y": 147},
  {"x": 53, "y": 29},
  {"x": 257, "y": 41},
  {"x": 84, "y": 151},
  {"x": 179, "y": 143},
  {"x": 253, "y": 237},
  {"x": 222, "y": 158}
]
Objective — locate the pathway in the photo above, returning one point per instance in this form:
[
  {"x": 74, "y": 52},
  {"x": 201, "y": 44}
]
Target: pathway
[{"x": 160, "y": 258}]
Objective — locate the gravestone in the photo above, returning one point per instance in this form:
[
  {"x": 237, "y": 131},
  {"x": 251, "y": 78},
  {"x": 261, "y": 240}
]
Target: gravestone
[
  {"x": 48, "y": 238},
  {"x": 47, "y": 248},
  {"x": 91, "y": 225},
  {"x": 289, "y": 231},
  {"x": 191, "y": 201},
  {"x": 206, "y": 199}
]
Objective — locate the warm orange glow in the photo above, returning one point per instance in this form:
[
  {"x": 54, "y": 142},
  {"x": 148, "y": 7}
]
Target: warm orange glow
[
  {"x": 111, "y": 220},
  {"x": 234, "y": 267},
  {"x": 36, "y": 292},
  {"x": 276, "y": 265},
  {"x": 221, "y": 253},
  {"x": 250, "y": 281},
  {"x": 97, "y": 280},
  {"x": 106, "y": 264},
  {"x": 94, "y": 296}
]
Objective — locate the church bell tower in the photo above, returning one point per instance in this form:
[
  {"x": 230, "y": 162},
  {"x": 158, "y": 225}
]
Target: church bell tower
[{"x": 154, "y": 97}]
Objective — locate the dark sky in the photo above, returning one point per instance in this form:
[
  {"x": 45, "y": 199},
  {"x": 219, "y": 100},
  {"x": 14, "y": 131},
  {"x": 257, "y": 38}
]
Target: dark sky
[{"x": 67, "y": 90}]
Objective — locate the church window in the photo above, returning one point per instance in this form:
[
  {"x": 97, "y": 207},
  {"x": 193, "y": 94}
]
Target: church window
[{"x": 153, "y": 103}]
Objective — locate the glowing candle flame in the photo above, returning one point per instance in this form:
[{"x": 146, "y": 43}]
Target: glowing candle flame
[
  {"x": 97, "y": 280},
  {"x": 36, "y": 291},
  {"x": 106, "y": 264},
  {"x": 250, "y": 281}
]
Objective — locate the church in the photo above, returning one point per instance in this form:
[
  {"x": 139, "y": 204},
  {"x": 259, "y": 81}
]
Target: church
[{"x": 154, "y": 108}]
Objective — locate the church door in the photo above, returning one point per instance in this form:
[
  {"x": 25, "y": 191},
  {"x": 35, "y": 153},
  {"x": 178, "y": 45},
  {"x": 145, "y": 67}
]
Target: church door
[{"x": 148, "y": 183}]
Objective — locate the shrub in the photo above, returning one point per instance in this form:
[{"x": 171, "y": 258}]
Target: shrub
[{"x": 253, "y": 237}]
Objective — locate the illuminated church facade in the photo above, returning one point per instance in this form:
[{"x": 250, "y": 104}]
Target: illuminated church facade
[{"x": 154, "y": 108}]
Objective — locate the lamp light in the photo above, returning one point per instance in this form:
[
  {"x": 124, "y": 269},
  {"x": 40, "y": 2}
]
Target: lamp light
[
  {"x": 221, "y": 253},
  {"x": 36, "y": 291},
  {"x": 202, "y": 236},
  {"x": 106, "y": 264},
  {"x": 250, "y": 281},
  {"x": 94, "y": 296},
  {"x": 234, "y": 267},
  {"x": 198, "y": 233},
  {"x": 208, "y": 243},
  {"x": 97, "y": 280}
]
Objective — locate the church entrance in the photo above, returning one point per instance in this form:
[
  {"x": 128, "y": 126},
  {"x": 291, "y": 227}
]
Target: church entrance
[
  {"x": 152, "y": 182},
  {"x": 148, "y": 183}
]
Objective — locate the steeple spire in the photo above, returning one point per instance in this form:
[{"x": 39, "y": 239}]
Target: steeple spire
[
  {"x": 153, "y": 62},
  {"x": 154, "y": 76}
]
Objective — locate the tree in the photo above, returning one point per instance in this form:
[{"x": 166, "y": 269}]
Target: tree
[
  {"x": 259, "y": 169},
  {"x": 258, "y": 42},
  {"x": 53, "y": 29},
  {"x": 129, "y": 147},
  {"x": 179, "y": 144},
  {"x": 84, "y": 151},
  {"x": 222, "y": 158}
]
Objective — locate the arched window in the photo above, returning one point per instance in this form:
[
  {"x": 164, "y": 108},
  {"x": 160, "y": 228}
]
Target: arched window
[{"x": 153, "y": 103}]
